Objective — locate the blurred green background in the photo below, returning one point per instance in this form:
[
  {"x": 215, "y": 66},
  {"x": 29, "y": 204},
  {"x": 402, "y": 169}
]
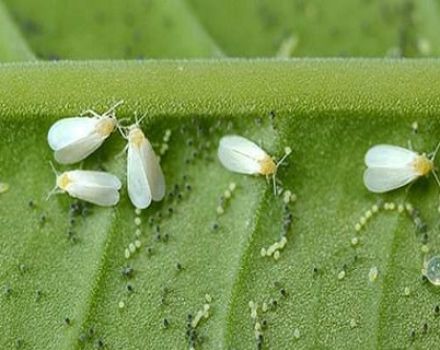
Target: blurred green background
[{"x": 137, "y": 29}]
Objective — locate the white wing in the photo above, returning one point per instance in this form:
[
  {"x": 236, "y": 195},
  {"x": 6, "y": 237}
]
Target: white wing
[
  {"x": 80, "y": 149},
  {"x": 240, "y": 155},
  {"x": 381, "y": 180},
  {"x": 95, "y": 178},
  {"x": 151, "y": 165},
  {"x": 69, "y": 130},
  {"x": 388, "y": 156},
  {"x": 137, "y": 182},
  {"x": 94, "y": 186},
  {"x": 103, "y": 196}
]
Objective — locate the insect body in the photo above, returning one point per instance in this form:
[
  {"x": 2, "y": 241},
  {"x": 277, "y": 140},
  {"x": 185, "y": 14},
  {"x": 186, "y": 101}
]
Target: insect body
[
  {"x": 145, "y": 180},
  {"x": 96, "y": 187},
  {"x": 391, "y": 167},
  {"x": 74, "y": 139},
  {"x": 241, "y": 155}
]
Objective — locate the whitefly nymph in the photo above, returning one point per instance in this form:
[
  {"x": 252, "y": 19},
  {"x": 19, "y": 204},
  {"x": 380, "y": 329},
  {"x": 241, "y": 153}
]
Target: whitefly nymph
[
  {"x": 74, "y": 139},
  {"x": 243, "y": 156},
  {"x": 390, "y": 167}
]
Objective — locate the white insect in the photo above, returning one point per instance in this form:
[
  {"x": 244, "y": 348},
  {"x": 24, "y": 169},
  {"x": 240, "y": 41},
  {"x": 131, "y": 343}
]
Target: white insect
[
  {"x": 74, "y": 139},
  {"x": 391, "y": 167},
  {"x": 145, "y": 180},
  {"x": 241, "y": 155},
  {"x": 96, "y": 187}
]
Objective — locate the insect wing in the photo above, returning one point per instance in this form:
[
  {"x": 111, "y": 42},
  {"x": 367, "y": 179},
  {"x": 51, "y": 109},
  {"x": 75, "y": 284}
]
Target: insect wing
[
  {"x": 137, "y": 181},
  {"x": 95, "y": 187},
  {"x": 240, "y": 155},
  {"x": 388, "y": 156},
  {"x": 381, "y": 180},
  {"x": 155, "y": 177},
  {"x": 69, "y": 130}
]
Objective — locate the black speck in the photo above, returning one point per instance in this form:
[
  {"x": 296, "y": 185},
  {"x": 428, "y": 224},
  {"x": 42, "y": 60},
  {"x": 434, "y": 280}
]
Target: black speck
[
  {"x": 43, "y": 219},
  {"x": 7, "y": 290},
  {"x": 166, "y": 323},
  {"x": 19, "y": 343},
  {"x": 437, "y": 310},
  {"x": 67, "y": 321},
  {"x": 91, "y": 332}
]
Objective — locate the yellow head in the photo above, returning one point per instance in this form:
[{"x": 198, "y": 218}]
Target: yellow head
[
  {"x": 268, "y": 166},
  {"x": 423, "y": 165},
  {"x": 136, "y": 136},
  {"x": 63, "y": 181},
  {"x": 106, "y": 126}
]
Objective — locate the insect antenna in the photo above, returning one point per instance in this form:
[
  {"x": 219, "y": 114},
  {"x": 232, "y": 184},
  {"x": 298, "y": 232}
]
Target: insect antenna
[
  {"x": 287, "y": 152},
  {"x": 139, "y": 121},
  {"x": 55, "y": 171},
  {"x": 432, "y": 158},
  {"x": 53, "y": 190},
  {"x": 434, "y": 154},
  {"x": 111, "y": 110},
  {"x": 436, "y": 177}
]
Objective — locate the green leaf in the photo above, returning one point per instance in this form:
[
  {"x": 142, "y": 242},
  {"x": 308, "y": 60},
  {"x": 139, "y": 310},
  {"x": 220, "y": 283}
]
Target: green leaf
[
  {"x": 322, "y": 28},
  {"x": 104, "y": 29},
  {"x": 12, "y": 45},
  {"x": 110, "y": 29},
  {"x": 328, "y": 111}
]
